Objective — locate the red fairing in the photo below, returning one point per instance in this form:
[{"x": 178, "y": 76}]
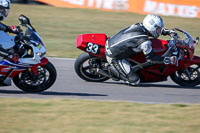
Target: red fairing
[
  {"x": 153, "y": 74},
  {"x": 190, "y": 50},
  {"x": 4, "y": 69},
  {"x": 159, "y": 46},
  {"x": 43, "y": 61},
  {"x": 187, "y": 62},
  {"x": 92, "y": 43}
]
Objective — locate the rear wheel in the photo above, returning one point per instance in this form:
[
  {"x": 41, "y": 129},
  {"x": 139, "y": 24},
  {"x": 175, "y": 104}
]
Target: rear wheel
[
  {"x": 84, "y": 68},
  {"x": 187, "y": 77},
  {"x": 44, "y": 79}
]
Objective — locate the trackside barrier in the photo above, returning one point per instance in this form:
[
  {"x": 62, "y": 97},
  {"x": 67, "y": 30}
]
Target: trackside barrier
[{"x": 181, "y": 8}]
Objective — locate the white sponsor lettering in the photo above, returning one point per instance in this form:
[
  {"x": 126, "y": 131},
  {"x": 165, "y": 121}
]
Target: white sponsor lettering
[
  {"x": 75, "y": 2},
  {"x": 106, "y": 4},
  {"x": 150, "y": 6},
  {"x": 161, "y": 8},
  {"x": 170, "y": 9},
  {"x": 97, "y": 2}
]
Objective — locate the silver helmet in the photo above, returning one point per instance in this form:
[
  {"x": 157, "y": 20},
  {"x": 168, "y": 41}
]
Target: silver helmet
[
  {"x": 4, "y": 9},
  {"x": 154, "y": 24}
]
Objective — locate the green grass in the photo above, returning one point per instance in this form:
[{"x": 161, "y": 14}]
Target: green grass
[
  {"x": 76, "y": 116},
  {"x": 59, "y": 27}
]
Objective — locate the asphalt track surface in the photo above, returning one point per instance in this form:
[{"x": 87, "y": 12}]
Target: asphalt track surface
[{"x": 69, "y": 85}]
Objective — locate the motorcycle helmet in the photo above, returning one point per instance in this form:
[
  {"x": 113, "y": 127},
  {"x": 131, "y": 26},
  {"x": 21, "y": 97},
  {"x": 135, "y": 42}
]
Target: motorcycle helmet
[
  {"x": 4, "y": 9},
  {"x": 154, "y": 24}
]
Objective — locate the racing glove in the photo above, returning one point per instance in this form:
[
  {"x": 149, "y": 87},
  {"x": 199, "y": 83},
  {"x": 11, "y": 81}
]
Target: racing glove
[
  {"x": 168, "y": 32},
  {"x": 14, "y": 29}
]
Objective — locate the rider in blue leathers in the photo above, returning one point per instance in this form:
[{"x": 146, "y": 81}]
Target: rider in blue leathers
[{"x": 4, "y": 11}]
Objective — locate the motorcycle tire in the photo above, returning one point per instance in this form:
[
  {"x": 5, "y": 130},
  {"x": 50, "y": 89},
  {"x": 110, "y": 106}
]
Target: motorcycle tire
[
  {"x": 83, "y": 71},
  {"x": 181, "y": 78},
  {"x": 43, "y": 80}
]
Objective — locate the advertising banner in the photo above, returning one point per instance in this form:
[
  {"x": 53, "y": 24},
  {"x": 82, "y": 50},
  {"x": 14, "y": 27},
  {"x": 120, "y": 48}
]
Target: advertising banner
[
  {"x": 181, "y": 8},
  {"x": 99, "y": 4}
]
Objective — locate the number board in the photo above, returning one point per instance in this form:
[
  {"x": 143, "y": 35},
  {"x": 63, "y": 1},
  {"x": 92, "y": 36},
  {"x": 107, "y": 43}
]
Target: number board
[{"x": 93, "y": 48}]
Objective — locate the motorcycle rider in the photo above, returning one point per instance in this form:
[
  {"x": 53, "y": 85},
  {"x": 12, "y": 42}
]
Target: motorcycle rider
[
  {"x": 132, "y": 40},
  {"x": 4, "y": 11}
]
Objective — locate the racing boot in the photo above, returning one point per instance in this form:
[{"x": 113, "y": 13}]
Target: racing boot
[
  {"x": 133, "y": 78},
  {"x": 124, "y": 71},
  {"x": 113, "y": 73}
]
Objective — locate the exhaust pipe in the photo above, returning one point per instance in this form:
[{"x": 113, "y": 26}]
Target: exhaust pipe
[{"x": 102, "y": 72}]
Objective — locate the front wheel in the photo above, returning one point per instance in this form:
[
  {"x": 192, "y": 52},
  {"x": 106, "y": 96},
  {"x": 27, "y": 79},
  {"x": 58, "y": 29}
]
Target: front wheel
[
  {"x": 44, "y": 79},
  {"x": 187, "y": 77}
]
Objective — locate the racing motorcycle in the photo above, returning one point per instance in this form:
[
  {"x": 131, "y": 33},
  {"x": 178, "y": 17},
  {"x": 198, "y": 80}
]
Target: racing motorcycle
[
  {"x": 33, "y": 72},
  {"x": 185, "y": 71}
]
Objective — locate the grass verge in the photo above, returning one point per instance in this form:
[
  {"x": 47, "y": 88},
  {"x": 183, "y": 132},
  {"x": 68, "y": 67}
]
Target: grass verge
[{"x": 85, "y": 116}]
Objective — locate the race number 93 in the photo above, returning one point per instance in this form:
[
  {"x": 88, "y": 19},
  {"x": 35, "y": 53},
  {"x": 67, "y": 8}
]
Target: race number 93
[{"x": 93, "y": 48}]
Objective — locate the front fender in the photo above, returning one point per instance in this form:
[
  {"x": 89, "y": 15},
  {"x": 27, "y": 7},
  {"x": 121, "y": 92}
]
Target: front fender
[{"x": 43, "y": 62}]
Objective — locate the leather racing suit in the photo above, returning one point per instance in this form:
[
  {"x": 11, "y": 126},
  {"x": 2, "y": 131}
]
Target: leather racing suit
[
  {"x": 13, "y": 29},
  {"x": 125, "y": 44}
]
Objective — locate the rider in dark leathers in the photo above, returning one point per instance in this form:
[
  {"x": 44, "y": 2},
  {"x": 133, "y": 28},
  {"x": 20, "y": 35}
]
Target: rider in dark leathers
[
  {"x": 130, "y": 41},
  {"x": 4, "y": 10}
]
